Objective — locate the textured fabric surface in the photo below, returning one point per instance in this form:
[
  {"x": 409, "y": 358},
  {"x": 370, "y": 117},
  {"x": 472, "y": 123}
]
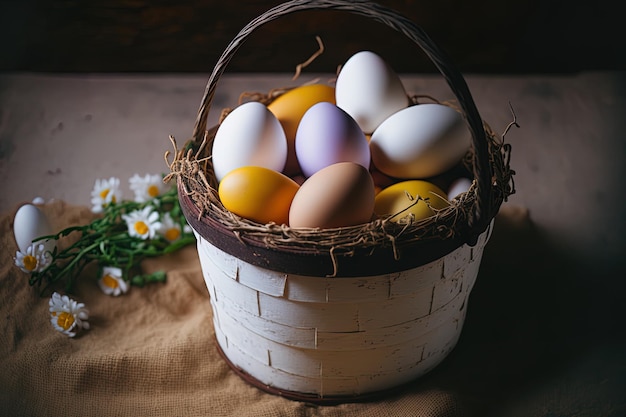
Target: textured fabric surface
[{"x": 150, "y": 352}]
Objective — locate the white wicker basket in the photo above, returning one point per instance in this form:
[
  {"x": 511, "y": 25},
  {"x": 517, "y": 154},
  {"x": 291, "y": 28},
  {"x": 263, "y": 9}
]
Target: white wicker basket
[
  {"x": 339, "y": 336},
  {"x": 313, "y": 323}
]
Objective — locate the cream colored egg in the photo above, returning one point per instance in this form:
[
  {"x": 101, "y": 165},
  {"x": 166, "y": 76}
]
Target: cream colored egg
[
  {"x": 420, "y": 141},
  {"x": 339, "y": 195},
  {"x": 249, "y": 136},
  {"x": 31, "y": 223},
  {"x": 369, "y": 90}
]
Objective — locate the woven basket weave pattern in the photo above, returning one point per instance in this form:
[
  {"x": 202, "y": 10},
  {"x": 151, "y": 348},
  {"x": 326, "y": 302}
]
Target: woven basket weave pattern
[{"x": 338, "y": 336}]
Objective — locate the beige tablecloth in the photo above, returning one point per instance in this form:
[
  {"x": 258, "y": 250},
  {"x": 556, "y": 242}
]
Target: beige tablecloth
[{"x": 150, "y": 352}]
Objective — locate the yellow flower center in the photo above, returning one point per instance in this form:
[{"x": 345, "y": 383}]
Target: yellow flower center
[
  {"x": 65, "y": 320},
  {"x": 109, "y": 281},
  {"x": 172, "y": 234},
  {"x": 153, "y": 190},
  {"x": 141, "y": 227},
  {"x": 104, "y": 193},
  {"x": 30, "y": 262}
]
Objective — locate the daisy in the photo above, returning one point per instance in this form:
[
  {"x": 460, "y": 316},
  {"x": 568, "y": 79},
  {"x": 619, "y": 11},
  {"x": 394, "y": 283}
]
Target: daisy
[
  {"x": 142, "y": 223},
  {"x": 66, "y": 315},
  {"x": 105, "y": 192},
  {"x": 111, "y": 281},
  {"x": 146, "y": 188},
  {"x": 34, "y": 259},
  {"x": 170, "y": 230}
]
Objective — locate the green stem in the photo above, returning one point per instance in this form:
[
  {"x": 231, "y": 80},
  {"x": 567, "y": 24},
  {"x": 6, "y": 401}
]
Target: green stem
[
  {"x": 106, "y": 241},
  {"x": 78, "y": 257}
]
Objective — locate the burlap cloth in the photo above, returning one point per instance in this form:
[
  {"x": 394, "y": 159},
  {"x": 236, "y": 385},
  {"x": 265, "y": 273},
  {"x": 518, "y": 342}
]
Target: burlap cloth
[{"x": 150, "y": 352}]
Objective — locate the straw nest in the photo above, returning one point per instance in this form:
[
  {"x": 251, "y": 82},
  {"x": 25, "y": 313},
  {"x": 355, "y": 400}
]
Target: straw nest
[{"x": 192, "y": 166}]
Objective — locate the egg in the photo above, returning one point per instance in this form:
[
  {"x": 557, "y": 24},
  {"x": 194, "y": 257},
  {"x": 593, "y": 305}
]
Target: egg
[
  {"x": 458, "y": 186},
  {"x": 369, "y": 90},
  {"x": 258, "y": 194},
  {"x": 31, "y": 223},
  {"x": 401, "y": 199},
  {"x": 420, "y": 141},
  {"x": 249, "y": 135},
  {"x": 338, "y": 195},
  {"x": 289, "y": 109},
  {"x": 327, "y": 135}
]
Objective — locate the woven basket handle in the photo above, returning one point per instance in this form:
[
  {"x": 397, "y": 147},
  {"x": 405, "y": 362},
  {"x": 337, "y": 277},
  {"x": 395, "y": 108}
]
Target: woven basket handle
[{"x": 479, "y": 219}]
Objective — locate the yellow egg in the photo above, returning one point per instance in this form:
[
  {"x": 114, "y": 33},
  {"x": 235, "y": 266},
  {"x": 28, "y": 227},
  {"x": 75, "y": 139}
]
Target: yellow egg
[
  {"x": 402, "y": 199},
  {"x": 289, "y": 109},
  {"x": 258, "y": 194}
]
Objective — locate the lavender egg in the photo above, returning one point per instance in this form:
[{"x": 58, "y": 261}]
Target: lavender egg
[{"x": 328, "y": 135}]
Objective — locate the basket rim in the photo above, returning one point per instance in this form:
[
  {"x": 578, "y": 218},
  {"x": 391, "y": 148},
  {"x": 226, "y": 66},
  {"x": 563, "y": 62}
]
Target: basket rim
[{"x": 311, "y": 260}]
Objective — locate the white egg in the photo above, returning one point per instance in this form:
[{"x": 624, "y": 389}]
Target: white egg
[
  {"x": 249, "y": 135},
  {"x": 458, "y": 186},
  {"x": 31, "y": 223},
  {"x": 420, "y": 141},
  {"x": 369, "y": 90}
]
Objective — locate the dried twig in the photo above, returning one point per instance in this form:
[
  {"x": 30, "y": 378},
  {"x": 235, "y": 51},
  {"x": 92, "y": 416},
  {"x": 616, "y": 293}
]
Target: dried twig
[{"x": 306, "y": 63}]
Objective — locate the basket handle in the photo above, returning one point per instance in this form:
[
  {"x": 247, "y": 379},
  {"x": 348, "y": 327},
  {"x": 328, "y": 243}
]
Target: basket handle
[{"x": 479, "y": 219}]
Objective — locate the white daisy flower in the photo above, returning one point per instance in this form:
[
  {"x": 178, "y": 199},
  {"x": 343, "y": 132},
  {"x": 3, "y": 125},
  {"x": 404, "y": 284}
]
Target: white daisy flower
[
  {"x": 146, "y": 188},
  {"x": 66, "y": 315},
  {"x": 35, "y": 259},
  {"x": 111, "y": 281},
  {"x": 105, "y": 192},
  {"x": 142, "y": 223},
  {"x": 170, "y": 230}
]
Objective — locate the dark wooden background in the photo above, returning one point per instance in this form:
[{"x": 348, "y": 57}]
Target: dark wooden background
[{"x": 482, "y": 36}]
